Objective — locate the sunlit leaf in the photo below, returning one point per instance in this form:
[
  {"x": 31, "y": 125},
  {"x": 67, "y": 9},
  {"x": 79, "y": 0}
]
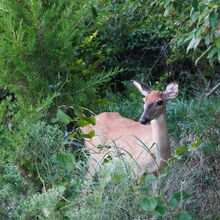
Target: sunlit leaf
[
  {"x": 73, "y": 135},
  {"x": 89, "y": 135},
  {"x": 191, "y": 44},
  {"x": 84, "y": 121},
  {"x": 181, "y": 150},
  {"x": 197, "y": 143}
]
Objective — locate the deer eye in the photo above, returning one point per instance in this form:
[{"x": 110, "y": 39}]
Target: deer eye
[{"x": 160, "y": 102}]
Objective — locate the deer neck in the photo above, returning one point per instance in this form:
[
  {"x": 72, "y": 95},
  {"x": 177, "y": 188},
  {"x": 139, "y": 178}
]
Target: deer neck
[{"x": 160, "y": 138}]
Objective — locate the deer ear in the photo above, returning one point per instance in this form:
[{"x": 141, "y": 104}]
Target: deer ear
[
  {"x": 144, "y": 89},
  {"x": 171, "y": 91}
]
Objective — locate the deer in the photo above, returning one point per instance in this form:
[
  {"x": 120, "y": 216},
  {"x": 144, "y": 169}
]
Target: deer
[{"x": 146, "y": 142}]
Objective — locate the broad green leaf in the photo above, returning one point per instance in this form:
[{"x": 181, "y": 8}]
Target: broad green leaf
[
  {"x": 82, "y": 123},
  {"x": 195, "y": 16},
  {"x": 91, "y": 120},
  {"x": 161, "y": 210},
  {"x": 148, "y": 204},
  {"x": 181, "y": 150},
  {"x": 86, "y": 121},
  {"x": 213, "y": 17},
  {"x": 89, "y": 135},
  {"x": 78, "y": 111},
  {"x": 65, "y": 161},
  {"x": 183, "y": 216},
  {"x": 177, "y": 197},
  {"x": 62, "y": 117}
]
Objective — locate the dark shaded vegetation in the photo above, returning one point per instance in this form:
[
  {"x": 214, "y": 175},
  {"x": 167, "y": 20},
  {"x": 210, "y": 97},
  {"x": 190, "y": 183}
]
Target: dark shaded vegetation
[{"x": 61, "y": 60}]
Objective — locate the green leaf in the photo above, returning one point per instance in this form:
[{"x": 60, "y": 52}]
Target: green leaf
[
  {"x": 78, "y": 111},
  {"x": 167, "y": 8},
  {"x": 218, "y": 47},
  {"x": 82, "y": 123},
  {"x": 202, "y": 7},
  {"x": 213, "y": 19},
  {"x": 91, "y": 120},
  {"x": 212, "y": 52},
  {"x": 208, "y": 39},
  {"x": 191, "y": 44},
  {"x": 181, "y": 150},
  {"x": 177, "y": 197},
  {"x": 183, "y": 216},
  {"x": 197, "y": 143},
  {"x": 195, "y": 16},
  {"x": 73, "y": 135},
  {"x": 146, "y": 189},
  {"x": 161, "y": 210},
  {"x": 62, "y": 117},
  {"x": 86, "y": 121},
  {"x": 89, "y": 135},
  {"x": 107, "y": 159},
  {"x": 148, "y": 204},
  {"x": 195, "y": 4},
  {"x": 65, "y": 161}
]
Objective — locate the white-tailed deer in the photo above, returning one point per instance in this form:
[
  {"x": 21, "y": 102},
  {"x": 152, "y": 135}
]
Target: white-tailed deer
[{"x": 131, "y": 137}]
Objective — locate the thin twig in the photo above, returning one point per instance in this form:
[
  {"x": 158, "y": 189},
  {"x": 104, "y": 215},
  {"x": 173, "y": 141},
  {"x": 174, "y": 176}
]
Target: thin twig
[{"x": 213, "y": 90}]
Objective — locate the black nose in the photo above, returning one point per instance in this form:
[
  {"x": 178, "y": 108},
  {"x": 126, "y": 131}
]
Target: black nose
[{"x": 144, "y": 121}]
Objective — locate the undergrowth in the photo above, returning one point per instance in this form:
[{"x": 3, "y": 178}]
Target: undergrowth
[{"x": 47, "y": 180}]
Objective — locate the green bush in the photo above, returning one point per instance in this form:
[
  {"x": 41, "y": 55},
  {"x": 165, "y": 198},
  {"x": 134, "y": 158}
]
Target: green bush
[{"x": 49, "y": 47}]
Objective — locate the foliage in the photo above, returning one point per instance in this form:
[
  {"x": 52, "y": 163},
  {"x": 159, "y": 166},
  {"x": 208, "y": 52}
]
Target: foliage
[
  {"x": 44, "y": 205},
  {"x": 198, "y": 26},
  {"x": 60, "y": 61},
  {"x": 42, "y": 52}
]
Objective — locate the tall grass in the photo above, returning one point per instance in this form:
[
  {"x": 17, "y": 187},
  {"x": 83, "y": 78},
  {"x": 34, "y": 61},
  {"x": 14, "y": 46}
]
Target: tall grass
[
  {"x": 53, "y": 186},
  {"x": 194, "y": 124}
]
